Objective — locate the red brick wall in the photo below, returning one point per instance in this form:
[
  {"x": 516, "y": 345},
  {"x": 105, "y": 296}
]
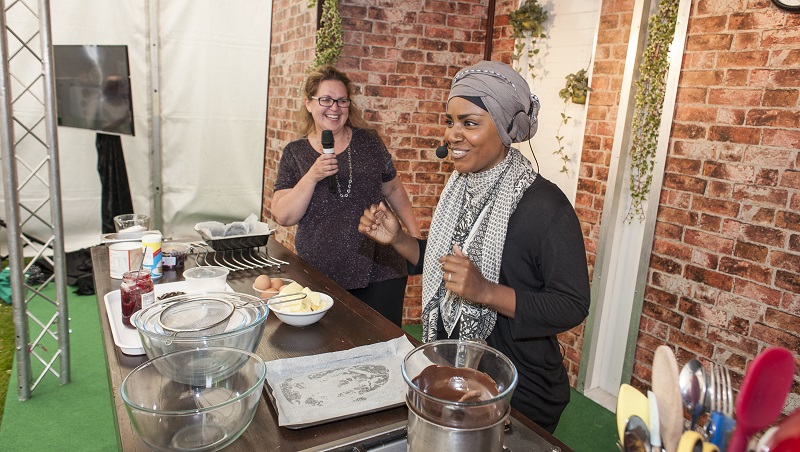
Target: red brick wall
[
  {"x": 727, "y": 248},
  {"x": 609, "y": 64},
  {"x": 291, "y": 52},
  {"x": 724, "y": 279}
]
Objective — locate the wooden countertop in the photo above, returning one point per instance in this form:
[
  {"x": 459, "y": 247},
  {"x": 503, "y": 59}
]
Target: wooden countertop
[{"x": 349, "y": 323}]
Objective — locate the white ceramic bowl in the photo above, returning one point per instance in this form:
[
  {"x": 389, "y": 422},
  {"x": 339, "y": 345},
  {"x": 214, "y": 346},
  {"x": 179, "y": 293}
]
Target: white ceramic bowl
[
  {"x": 169, "y": 415},
  {"x": 258, "y": 292},
  {"x": 303, "y": 318},
  {"x": 206, "y": 279}
]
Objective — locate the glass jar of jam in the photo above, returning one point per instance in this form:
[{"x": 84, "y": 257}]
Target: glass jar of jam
[{"x": 136, "y": 292}]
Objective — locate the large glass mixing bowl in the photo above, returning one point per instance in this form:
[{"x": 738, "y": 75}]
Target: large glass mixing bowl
[
  {"x": 172, "y": 415},
  {"x": 463, "y": 368}
]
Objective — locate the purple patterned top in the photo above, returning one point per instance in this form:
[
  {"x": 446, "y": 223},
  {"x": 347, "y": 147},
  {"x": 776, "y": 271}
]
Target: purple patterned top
[{"x": 327, "y": 236}]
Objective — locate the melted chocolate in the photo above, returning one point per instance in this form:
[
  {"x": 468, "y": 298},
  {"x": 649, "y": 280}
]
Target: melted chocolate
[{"x": 456, "y": 384}]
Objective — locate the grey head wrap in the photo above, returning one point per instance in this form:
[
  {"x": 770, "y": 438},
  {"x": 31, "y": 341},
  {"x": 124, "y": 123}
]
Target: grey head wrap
[{"x": 507, "y": 97}]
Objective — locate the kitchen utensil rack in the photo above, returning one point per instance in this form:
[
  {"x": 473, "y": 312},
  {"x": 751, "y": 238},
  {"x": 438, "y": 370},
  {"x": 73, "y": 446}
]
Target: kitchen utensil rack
[{"x": 245, "y": 258}]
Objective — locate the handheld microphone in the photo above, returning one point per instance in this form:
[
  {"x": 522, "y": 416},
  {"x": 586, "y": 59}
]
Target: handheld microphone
[
  {"x": 442, "y": 151},
  {"x": 327, "y": 148}
]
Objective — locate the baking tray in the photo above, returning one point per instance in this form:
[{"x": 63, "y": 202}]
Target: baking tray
[
  {"x": 318, "y": 389},
  {"x": 268, "y": 391},
  {"x": 236, "y": 242}
]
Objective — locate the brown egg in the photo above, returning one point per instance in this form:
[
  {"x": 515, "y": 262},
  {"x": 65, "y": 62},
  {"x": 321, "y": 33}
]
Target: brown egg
[
  {"x": 262, "y": 282},
  {"x": 268, "y": 293},
  {"x": 276, "y": 284}
]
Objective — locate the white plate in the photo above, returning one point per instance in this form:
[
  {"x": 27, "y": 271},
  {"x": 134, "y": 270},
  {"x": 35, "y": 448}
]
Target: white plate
[{"x": 126, "y": 337}]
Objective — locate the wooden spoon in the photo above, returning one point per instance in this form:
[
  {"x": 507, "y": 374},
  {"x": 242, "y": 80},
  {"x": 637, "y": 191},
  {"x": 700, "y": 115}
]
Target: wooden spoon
[{"x": 668, "y": 396}]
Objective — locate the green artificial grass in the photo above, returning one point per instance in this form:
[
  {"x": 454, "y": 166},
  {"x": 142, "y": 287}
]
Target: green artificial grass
[
  {"x": 587, "y": 426},
  {"x": 415, "y": 330},
  {"x": 75, "y": 416},
  {"x": 6, "y": 352}
]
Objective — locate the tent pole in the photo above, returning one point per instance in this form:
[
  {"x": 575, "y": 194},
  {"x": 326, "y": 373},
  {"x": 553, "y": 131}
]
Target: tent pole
[{"x": 155, "y": 115}]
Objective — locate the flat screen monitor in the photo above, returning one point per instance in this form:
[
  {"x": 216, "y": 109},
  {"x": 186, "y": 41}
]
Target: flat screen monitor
[{"x": 93, "y": 88}]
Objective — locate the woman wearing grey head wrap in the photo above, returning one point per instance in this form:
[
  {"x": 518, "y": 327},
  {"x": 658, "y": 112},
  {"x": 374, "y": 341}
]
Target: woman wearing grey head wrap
[{"x": 504, "y": 260}]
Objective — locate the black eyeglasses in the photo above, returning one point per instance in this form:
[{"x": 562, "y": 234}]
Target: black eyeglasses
[{"x": 326, "y": 101}]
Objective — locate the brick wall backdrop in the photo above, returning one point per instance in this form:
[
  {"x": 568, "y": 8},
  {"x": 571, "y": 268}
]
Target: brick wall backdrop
[
  {"x": 724, "y": 279},
  {"x": 291, "y": 52}
]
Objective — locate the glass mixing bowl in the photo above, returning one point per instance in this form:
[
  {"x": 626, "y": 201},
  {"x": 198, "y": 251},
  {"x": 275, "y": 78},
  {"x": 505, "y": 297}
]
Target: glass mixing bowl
[
  {"x": 463, "y": 367},
  {"x": 242, "y": 330},
  {"x": 169, "y": 415}
]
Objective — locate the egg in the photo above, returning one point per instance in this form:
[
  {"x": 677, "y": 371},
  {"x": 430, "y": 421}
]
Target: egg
[
  {"x": 276, "y": 284},
  {"x": 262, "y": 282},
  {"x": 268, "y": 293}
]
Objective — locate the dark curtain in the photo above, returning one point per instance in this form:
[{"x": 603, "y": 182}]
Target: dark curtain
[{"x": 116, "y": 193}]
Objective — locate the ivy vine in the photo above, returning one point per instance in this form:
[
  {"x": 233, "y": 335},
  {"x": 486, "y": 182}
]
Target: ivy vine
[
  {"x": 649, "y": 102},
  {"x": 329, "y": 36},
  {"x": 527, "y": 26}
]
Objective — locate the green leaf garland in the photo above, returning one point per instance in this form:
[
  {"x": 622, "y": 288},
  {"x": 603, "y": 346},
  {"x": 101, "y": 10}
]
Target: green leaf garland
[
  {"x": 650, "y": 92},
  {"x": 329, "y": 36}
]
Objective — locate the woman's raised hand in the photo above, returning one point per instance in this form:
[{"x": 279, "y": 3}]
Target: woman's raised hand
[
  {"x": 380, "y": 224},
  {"x": 325, "y": 165}
]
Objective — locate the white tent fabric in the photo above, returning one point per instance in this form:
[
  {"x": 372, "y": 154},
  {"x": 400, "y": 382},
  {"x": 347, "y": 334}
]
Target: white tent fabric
[{"x": 213, "y": 74}]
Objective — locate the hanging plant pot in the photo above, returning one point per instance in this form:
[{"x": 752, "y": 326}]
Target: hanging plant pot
[
  {"x": 527, "y": 27},
  {"x": 576, "y": 87}
]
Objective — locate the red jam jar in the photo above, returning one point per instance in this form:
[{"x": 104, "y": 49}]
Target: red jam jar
[{"x": 136, "y": 292}]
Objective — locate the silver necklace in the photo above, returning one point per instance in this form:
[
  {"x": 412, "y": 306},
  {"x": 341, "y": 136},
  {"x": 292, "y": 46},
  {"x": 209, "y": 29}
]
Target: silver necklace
[{"x": 350, "y": 178}]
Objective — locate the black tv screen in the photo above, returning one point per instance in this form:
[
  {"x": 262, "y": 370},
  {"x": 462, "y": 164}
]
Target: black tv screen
[{"x": 93, "y": 88}]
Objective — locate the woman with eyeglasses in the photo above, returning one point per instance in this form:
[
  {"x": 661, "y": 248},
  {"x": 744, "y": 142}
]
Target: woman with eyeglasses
[
  {"x": 504, "y": 260},
  {"x": 327, "y": 212}
]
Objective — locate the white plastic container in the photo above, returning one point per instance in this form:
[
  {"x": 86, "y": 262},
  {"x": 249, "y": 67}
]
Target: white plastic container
[{"x": 206, "y": 279}]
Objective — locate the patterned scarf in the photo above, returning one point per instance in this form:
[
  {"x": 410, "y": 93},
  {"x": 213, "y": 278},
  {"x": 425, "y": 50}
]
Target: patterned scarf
[{"x": 473, "y": 212}]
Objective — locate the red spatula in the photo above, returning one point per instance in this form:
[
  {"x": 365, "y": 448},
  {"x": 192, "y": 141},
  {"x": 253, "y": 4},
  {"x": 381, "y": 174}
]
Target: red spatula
[
  {"x": 766, "y": 384},
  {"x": 786, "y": 437}
]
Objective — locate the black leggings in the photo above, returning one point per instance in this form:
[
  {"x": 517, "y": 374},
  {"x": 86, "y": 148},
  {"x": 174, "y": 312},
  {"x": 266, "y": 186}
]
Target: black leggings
[{"x": 386, "y": 297}]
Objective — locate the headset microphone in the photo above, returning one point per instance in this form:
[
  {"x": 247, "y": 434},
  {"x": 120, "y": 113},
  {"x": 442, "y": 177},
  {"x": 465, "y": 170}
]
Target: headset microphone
[{"x": 442, "y": 151}]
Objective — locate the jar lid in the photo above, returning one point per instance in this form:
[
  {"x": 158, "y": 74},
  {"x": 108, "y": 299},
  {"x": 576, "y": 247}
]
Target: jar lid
[{"x": 247, "y": 311}]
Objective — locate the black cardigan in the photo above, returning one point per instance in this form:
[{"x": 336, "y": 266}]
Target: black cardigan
[{"x": 544, "y": 261}]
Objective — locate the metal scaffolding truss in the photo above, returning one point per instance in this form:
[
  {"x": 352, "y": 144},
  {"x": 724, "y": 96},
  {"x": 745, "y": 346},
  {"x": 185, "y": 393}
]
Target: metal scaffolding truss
[{"x": 30, "y": 166}]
